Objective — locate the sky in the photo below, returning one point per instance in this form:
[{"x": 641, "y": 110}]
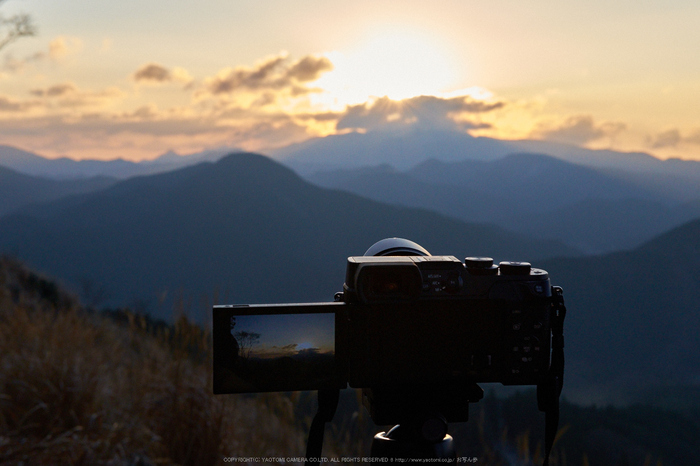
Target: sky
[
  {"x": 288, "y": 334},
  {"x": 137, "y": 78}
]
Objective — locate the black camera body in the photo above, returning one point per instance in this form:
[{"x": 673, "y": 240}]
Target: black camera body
[
  {"x": 435, "y": 320},
  {"x": 400, "y": 321}
]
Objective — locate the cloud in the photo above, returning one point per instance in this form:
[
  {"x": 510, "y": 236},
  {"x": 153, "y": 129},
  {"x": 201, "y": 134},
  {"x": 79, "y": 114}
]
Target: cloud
[
  {"x": 266, "y": 133},
  {"x": 672, "y": 138},
  {"x": 110, "y": 136},
  {"x": 579, "y": 130},
  {"x": 309, "y": 68},
  {"x": 57, "y": 90},
  {"x": 181, "y": 75},
  {"x": 143, "y": 113},
  {"x": 229, "y": 80},
  {"x": 10, "y": 105},
  {"x": 68, "y": 95},
  {"x": 427, "y": 111},
  {"x": 270, "y": 104},
  {"x": 140, "y": 133},
  {"x": 308, "y": 352},
  {"x": 259, "y": 111},
  {"x": 275, "y": 73},
  {"x": 63, "y": 46},
  {"x": 154, "y": 73},
  {"x": 694, "y": 138},
  {"x": 63, "y": 99}
]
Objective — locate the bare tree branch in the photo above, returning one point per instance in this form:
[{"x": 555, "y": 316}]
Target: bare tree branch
[
  {"x": 246, "y": 341},
  {"x": 14, "y": 27}
]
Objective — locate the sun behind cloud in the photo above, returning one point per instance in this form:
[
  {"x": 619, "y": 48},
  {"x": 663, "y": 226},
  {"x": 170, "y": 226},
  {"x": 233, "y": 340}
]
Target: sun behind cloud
[{"x": 392, "y": 63}]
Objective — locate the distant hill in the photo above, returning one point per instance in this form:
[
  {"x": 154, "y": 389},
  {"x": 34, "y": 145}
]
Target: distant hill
[
  {"x": 408, "y": 147},
  {"x": 18, "y": 190},
  {"x": 401, "y": 148},
  {"x": 605, "y": 225},
  {"x": 64, "y": 168},
  {"x": 633, "y": 317},
  {"x": 530, "y": 181},
  {"x": 539, "y": 195},
  {"x": 245, "y": 229}
]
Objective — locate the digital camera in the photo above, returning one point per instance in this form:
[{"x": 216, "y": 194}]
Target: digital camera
[{"x": 403, "y": 318}]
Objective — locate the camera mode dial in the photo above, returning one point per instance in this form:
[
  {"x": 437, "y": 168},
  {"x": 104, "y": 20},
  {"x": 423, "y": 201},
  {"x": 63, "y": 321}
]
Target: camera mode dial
[
  {"x": 515, "y": 268},
  {"x": 480, "y": 266}
]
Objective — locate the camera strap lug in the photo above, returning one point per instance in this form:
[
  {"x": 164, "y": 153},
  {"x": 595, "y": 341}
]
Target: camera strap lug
[{"x": 548, "y": 392}]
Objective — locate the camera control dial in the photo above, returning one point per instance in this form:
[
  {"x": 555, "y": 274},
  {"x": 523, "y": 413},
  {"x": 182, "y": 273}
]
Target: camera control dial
[
  {"x": 515, "y": 268},
  {"x": 478, "y": 262},
  {"x": 480, "y": 266}
]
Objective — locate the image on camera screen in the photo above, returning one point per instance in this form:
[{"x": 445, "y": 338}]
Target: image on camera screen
[{"x": 276, "y": 352}]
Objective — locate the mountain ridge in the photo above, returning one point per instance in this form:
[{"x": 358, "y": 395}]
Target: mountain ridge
[
  {"x": 245, "y": 212},
  {"x": 19, "y": 190},
  {"x": 647, "y": 301},
  {"x": 536, "y": 194},
  {"x": 406, "y": 147},
  {"x": 64, "y": 168}
]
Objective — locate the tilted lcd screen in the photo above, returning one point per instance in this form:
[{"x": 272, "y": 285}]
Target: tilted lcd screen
[{"x": 274, "y": 348}]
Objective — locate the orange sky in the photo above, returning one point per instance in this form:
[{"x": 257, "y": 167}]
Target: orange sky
[{"x": 134, "y": 79}]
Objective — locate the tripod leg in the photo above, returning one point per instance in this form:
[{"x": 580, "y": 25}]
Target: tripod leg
[{"x": 327, "y": 404}]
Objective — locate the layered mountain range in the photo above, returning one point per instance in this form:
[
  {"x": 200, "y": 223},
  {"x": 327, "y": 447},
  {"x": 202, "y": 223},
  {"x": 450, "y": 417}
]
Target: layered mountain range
[
  {"x": 593, "y": 210},
  {"x": 620, "y": 232},
  {"x": 245, "y": 225}
]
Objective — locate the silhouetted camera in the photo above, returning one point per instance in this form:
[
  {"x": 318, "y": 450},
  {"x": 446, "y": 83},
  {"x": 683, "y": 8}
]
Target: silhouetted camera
[{"x": 407, "y": 326}]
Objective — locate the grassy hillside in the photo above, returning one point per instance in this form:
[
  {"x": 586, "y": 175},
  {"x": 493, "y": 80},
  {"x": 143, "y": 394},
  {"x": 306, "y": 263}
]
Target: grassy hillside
[{"x": 81, "y": 388}]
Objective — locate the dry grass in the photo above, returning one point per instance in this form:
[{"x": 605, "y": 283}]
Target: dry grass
[{"x": 77, "y": 388}]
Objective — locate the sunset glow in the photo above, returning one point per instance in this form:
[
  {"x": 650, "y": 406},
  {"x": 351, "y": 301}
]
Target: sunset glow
[
  {"x": 135, "y": 79},
  {"x": 393, "y": 63}
]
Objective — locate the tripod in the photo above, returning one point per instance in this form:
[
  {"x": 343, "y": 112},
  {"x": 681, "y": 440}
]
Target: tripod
[
  {"x": 422, "y": 414},
  {"x": 421, "y": 431},
  {"x": 421, "y": 426}
]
